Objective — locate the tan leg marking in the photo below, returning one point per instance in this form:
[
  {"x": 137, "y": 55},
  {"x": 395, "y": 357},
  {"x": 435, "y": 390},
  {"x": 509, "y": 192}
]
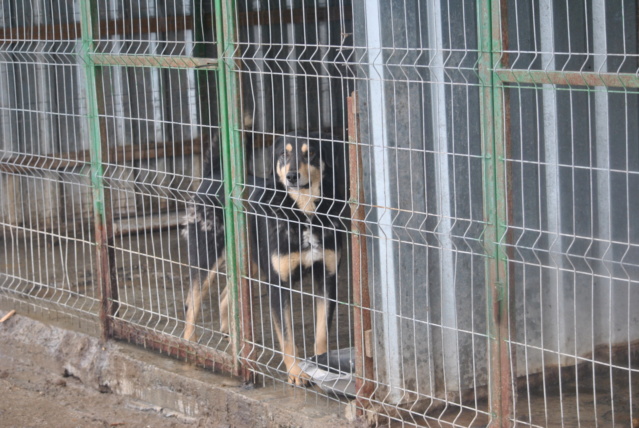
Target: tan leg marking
[
  {"x": 289, "y": 350},
  {"x": 285, "y": 264},
  {"x": 194, "y": 301},
  {"x": 224, "y": 310},
  {"x": 321, "y": 326},
  {"x": 331, "y": 260}
]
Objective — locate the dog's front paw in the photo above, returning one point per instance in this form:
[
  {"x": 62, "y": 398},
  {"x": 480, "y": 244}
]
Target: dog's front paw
[
  {"x": 189, "y": 333},
  {"x": 298, "y": 377}
]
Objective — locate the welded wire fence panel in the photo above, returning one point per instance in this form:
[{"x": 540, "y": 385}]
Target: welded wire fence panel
[
  {"x": 295, "y": 78},
  {"x": 420, "y": 127},
  {"x": 574, "y": 165},
  {"x": 418, "y": 116},
  {"x": 47, "y": 251},
  {"x": 159, "y": 114}
]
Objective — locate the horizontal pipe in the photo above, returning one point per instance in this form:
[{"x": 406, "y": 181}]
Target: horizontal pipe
[
  {"x": 115, "y": 155},
  {"x": 173, "y": 346},
  {"x": 569, "y": 78},
  {"x": 128, "y": 27},
  {"x": 156, "y": 61}
]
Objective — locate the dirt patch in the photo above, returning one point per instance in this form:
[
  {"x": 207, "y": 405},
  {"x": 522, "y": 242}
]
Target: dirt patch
[
  {"x": 51, "y": 376},
  {"x": 34, "y": 395}
]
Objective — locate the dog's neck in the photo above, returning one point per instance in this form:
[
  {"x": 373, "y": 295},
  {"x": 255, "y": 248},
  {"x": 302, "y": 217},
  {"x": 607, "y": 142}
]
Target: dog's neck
[{"x": 306, "y": 198}]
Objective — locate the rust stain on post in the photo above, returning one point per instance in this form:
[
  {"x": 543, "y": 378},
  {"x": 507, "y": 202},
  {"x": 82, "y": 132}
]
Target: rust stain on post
[
  {"x": 505, "y": 206},
  {"x": 364, "y": 382}
]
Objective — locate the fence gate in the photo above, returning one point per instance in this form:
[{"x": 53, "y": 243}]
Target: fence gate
[{"x": 490, "y": 274}]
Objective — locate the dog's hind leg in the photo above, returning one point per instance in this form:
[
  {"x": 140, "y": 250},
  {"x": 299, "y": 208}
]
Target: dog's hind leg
[
  {"x": 324, "y": 309},
  {"x": 224, "y": 310},
  {"x": 199, "y": 288},
  {"x": 194, "y": 304}
]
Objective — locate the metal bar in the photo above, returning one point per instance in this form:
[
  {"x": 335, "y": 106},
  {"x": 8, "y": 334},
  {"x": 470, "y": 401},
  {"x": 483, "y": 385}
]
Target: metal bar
[
  {"x": 117, "y": 155},
  {"x": 167, "y": 344},
  {"x": 306, "y": 14},
  {"x": 364, "y": 370},
  {"x": 129, "y": 27},
  {"x": 102, "y": 212},
  {"x": 569, "y": 78},
  {"x": 495, "y": 210},
  {"x": 69, "y": 31},
  {"x": 449, "y": 332},
  {"x": 504, "y": 218},
  {"x": 231, "y": 147},
  {"x": 554, "y": 284},
  {"x": 179, "y": 62},
  {"x": 379, "y": 120}
]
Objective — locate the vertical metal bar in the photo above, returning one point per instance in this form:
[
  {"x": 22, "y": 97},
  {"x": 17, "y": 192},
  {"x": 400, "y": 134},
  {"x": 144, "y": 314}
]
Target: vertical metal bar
[
  {"x": 232, "y": 148},
  {"x": 494, "y": 148},
  {"x": 102, "y": 212},
  {"x": 120, "y": 91},
  {"x": 555, "y": 281},
  {"x": 383, "y": 192},
  {"x": 450, "y": 337},
  {"x": 362, "y": 325}
]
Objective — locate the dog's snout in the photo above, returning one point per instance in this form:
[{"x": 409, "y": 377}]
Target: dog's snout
[{"x": 293, "y": 176}]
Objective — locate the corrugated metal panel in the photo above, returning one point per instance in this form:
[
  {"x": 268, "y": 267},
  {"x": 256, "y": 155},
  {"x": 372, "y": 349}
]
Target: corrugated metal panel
[
  {"x": 574, "y": 162},
  {"x": 431, "y": 168}
]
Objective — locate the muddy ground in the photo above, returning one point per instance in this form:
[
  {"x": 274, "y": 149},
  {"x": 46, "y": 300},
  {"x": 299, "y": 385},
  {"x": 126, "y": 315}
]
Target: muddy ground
[
  {"x": 34, "y": 394},
  {"x": 53, "y": 375}
]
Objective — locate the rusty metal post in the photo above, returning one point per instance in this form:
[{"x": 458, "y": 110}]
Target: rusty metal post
[
  {"x": 98, "y": 147},
  {"x": 495, "y": 150},
  {"x": 364, "y": 382}
]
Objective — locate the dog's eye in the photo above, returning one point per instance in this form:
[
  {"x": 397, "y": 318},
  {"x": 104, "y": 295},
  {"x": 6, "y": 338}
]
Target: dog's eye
[{"x": 311, "y": 154}]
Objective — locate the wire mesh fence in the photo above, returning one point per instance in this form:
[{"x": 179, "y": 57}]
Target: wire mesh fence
[{"x": 423, "y": 209}]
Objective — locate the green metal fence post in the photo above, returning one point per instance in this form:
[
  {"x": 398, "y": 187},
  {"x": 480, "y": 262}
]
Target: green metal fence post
[
  {"x": 232, "y": 164},
  {"x": 101, "y": 200},
  {"x": 494, "y": 147}
]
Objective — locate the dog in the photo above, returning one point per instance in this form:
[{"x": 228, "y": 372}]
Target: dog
[{"x": 297, "y": 230}]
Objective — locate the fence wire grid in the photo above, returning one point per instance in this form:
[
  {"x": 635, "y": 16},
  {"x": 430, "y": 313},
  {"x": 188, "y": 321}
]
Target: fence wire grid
[{"x": 489, "y": 267}]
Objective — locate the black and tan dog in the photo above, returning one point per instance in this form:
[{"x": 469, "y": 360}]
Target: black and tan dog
[{"x": 297, "y": 231}]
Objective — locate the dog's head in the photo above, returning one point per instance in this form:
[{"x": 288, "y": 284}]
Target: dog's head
[{"x": 300, "y": 162}]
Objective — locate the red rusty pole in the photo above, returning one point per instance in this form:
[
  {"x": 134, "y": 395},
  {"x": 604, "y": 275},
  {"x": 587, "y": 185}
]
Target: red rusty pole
[{"x": 364, "y": 381}]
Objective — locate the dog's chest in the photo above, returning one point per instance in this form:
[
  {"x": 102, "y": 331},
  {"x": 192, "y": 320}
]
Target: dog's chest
[
  {"x": 310, "y": 239},
  {"x": 312, "y": 249}
]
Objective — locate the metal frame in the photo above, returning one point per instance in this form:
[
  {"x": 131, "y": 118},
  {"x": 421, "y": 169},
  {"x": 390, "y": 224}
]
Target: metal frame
[
  {"x": 496, "y": 78},
  {"x": 232, "y": 160},
  {"x": 103, "y": 222}
]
